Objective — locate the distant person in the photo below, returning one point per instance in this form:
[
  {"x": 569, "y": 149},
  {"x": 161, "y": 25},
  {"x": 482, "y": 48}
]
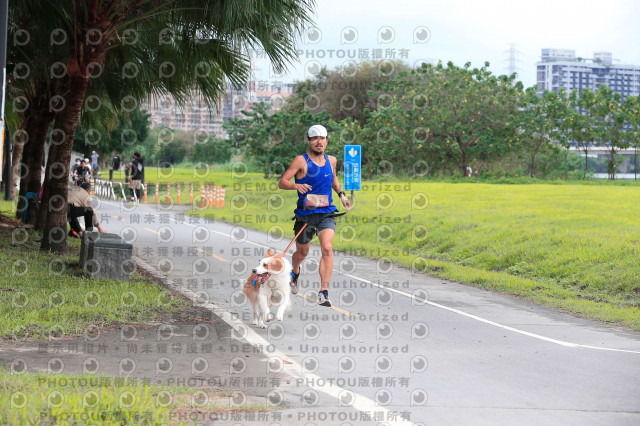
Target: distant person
[
  {"x": 79, "y": 204},
  {"x": 94, "y": 161},
  {"x": 82, "y": 173},
  {"x": 87, "y": 164},
  {"x": 127, "y": 170},
  {"x": 74, "y": 170},
  {"x": 137, "y": 177},
  {"x": 115, "y": 163}
]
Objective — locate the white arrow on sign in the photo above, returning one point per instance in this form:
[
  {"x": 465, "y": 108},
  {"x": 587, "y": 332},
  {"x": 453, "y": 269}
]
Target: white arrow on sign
[{"x": 353, "y": 152}]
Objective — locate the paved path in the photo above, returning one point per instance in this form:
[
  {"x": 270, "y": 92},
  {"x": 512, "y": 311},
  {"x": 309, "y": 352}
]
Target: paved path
[{"x": 397, "y": 345}]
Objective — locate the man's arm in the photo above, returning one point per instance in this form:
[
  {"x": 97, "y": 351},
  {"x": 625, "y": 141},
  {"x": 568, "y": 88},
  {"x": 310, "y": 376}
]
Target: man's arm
[
  {"x": 285, "y": 180},
  {"x": 96, "y": 223},
  {"x": 336, "y": 183},
  {"x": 86, "y": 202}
]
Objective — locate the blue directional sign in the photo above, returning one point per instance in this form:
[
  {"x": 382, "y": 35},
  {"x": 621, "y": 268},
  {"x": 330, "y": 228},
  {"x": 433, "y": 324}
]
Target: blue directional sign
[{"x": 352, "y": 167}]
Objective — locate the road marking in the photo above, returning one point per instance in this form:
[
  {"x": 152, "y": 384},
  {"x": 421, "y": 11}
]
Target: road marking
[
  {"x": 453, "y": 310},
  {"x": 360, "y": 402},
  {"x": 342, "y": 311},
  {"x": 486, "y": 321},
  {"x": 121, "y": 219},
  {"x": 215, "y": 256},
  {"x": 152, "y": 230},
  {"x": 468, "y": 315}
]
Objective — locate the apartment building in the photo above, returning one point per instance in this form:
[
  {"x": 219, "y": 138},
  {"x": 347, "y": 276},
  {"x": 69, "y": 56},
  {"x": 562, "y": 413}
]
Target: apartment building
[
  {"x": 195, "y": 115},
  {"x": 562, "y": 68}
]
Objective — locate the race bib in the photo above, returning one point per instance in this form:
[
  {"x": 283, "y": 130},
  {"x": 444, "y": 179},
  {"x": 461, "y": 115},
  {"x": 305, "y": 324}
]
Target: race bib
[{"x": 313, "y": 201}]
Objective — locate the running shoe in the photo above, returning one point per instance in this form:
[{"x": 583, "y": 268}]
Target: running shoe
[
  {"x": 294, "y": 283},
  {"x": 323, "y": 298}
]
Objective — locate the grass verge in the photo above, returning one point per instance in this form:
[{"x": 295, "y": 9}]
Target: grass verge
[
  {"x": 44, "y": 295},
  {"x": 89, "y": 399}
]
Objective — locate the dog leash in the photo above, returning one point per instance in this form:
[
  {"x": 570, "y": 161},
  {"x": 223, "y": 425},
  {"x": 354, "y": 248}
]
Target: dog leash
[
  {"x": 253, "y": 283},
  {"x": 330, "y": 214}
]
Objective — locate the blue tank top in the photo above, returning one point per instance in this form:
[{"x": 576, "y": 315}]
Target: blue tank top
[{"x": 320, "y": 179}]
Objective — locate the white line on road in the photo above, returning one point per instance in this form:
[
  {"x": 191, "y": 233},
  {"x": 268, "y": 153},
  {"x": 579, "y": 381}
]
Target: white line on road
[
  {"x": 360, "y": 402},
  {"x": 493, "y": 323},
  {"x": 457, "y": 311},
  {"x": 471, "y": 316}
]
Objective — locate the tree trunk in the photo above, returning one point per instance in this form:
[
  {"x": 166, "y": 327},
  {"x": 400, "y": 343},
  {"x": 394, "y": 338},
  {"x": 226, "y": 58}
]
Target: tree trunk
[
  {"x": 463, "y": 162},
  {"x": 18, "y": 141},
  {"x": 612, "y": 159},
  {"x": 43, "y": 212},
  {"x": 35, "y": 123},
  {"x": 57, "y": 175},
  {"x": 36, "y": 126},
  {"x": 533, "y": 162},
  {"x": 34, "y": 162},
  {"x": 26, "y": 152},
  {"x": 586, "y": 163}
]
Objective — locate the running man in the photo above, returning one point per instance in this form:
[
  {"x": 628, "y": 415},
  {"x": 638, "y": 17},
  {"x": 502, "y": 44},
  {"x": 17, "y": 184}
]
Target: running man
[{"x": 315, "y": 176}]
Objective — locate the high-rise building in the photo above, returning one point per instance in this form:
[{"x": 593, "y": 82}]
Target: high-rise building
[
  {"x": 561, "y": 68},
  {"x": 195, "y": 115}
]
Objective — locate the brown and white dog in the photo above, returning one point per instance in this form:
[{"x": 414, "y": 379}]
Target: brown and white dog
[{"x": 268, "y": 286}]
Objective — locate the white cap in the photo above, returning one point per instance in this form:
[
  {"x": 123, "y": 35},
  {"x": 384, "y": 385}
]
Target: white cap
[
  {"x": 86, "y": 159},
  {"x": 317, "y": 130}
]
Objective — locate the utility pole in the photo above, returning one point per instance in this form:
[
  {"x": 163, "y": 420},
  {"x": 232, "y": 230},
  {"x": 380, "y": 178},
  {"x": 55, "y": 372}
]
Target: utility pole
[{"x": 6, "y": 143}]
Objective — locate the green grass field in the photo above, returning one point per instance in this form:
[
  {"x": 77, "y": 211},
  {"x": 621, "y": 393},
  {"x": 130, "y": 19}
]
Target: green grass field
[
  {"x": 100, "y": 400},
  {"x": 44, "y": 295},
  {"x": 570, "y": 246}
]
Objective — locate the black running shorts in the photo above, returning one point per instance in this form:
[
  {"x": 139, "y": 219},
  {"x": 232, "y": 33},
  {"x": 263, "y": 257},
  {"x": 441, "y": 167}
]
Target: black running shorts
[{"x": 315, "y": 219}]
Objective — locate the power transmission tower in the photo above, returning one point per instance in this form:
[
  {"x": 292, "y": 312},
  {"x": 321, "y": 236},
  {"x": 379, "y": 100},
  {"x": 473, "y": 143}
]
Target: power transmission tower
[{"x": 512, "y": 59}]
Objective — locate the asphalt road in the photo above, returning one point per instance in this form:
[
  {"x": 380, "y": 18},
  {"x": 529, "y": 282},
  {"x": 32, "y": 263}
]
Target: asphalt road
[{"x": 398, "y": 347}]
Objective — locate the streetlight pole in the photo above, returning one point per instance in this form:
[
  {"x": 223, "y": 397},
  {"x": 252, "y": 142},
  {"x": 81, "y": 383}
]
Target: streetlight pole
[{"x": 4, "y": 17}]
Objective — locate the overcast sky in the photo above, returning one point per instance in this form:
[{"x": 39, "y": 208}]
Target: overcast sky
[{"x": 462, "y": 31}]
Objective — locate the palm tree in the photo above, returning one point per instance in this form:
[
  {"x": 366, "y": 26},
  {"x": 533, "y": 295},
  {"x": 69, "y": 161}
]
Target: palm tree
[
  {"x": 174, "y": 46},
  {"x": 30, "y": 87}
]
